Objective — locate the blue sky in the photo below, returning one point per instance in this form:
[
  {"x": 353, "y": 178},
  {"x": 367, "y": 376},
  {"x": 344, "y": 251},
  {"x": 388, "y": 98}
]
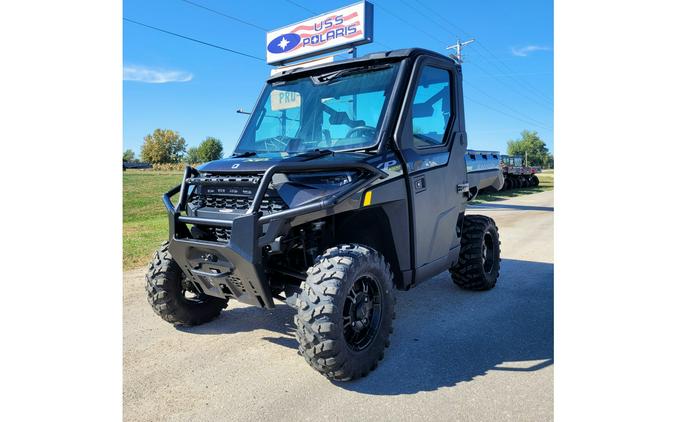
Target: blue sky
[{"x": 177, "y": 84}]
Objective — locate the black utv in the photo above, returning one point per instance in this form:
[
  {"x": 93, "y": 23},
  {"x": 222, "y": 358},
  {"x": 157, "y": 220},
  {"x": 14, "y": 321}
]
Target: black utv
[{"x": 347, "y": 184}]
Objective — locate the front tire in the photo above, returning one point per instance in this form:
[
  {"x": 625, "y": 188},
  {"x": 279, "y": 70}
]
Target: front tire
[
  {"x": 173, "y": 298},
  {"x": 479, "y": 254},
  {"x": 345, "y": 312},
  {"x": 535, "y": 181}
]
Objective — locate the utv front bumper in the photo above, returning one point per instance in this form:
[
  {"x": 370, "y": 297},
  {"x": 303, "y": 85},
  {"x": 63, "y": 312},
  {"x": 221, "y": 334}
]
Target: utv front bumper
[{"x": 235, "y": 269}]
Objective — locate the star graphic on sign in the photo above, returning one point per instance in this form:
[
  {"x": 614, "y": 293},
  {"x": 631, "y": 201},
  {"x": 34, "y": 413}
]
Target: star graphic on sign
[{"x": 283, "y": 43}]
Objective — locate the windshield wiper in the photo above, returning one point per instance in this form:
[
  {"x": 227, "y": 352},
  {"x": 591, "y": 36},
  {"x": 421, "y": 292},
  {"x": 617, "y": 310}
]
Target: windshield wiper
[
  {"x": 328, "y": 77},
  {"x": 317, "y": 153},
  {"x": 244, "y": 154}
]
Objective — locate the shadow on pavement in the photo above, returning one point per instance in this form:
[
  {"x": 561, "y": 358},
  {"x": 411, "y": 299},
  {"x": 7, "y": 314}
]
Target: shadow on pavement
[
  {"x": 497, "y": 206},
  {"x": 251, "y": 318},
  {"x": 442, "y": 335}
]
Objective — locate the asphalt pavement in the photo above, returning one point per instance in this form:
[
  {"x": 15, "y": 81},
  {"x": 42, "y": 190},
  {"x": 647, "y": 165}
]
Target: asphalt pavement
[{"x": 454, "y": 355}]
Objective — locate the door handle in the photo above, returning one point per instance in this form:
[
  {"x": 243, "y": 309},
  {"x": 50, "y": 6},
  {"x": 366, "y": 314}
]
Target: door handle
[{"x": 420, "y": 184}]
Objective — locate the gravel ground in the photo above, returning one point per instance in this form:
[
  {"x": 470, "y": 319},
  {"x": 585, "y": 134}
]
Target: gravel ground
[{"x": 454, "y": 355}]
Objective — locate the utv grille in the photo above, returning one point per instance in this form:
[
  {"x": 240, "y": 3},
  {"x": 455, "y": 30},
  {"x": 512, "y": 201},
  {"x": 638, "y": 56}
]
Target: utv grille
[
  {"x": 223, "y": 234},
  {"x": 231, "y": 193},
  {"x": 268, "y": 205},
  {"x": 271, "y": 204}
]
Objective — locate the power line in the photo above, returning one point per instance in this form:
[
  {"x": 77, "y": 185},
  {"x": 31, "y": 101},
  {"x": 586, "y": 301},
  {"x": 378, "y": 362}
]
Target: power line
[
  {"x": 525, "y": 116},
  {"x": 408, "y": 23},
  {"x": 532, "y": 99},
  {"x": 234, "y": 18},
  {"x": 514, "y": 89},
  {"x": 193, "y": 39},
  {"x": 457, "y": 27},
  {"x": 504, "y": 113},
  {"x": 301, "y": 6},
  {"x": 417, "y": 10}
]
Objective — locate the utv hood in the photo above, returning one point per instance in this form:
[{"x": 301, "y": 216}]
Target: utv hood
[{"x": 261, "y": 162}]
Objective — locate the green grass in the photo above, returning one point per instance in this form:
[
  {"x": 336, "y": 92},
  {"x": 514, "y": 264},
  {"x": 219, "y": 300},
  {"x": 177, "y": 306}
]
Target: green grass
[
  {"x": 145, "y": 224},
  {"x": 545, "y": 183}
]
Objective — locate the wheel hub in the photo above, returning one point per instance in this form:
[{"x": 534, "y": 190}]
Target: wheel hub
[{"x": 361, "y": 314}]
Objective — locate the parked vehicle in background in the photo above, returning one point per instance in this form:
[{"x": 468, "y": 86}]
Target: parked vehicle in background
[
  {"x": 516, "y": 174},
  {"x": 135, "y": 165}
]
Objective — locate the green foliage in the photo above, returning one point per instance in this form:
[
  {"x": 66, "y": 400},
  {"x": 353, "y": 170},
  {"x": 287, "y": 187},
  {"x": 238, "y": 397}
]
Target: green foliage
[
  {"x": 210, "y": 149},
  {"x": 532, "y": 144},
  {"x": 163, "y": 146},
  {"x": 192, "y": 156},
  {"x": 144, "y": 222},
  {"x": 128, "y": 156}
]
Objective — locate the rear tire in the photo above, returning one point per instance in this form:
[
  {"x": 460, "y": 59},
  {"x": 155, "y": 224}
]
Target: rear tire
[
  {"x": 535, "y": 181},
  {"x": 170, "y": 296},
  {"x": 345, "y": 312},
  {"x": 508, "y": 184},
  {"x": 479, "y": 254},
  {"x": 505, "y": 186}
]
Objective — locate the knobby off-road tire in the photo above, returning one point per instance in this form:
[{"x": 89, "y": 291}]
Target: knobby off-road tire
[
  {"x": 479, "y": 254},
  {"x": 508, "y": 184},
  {"x": 348, "y": 285},
  {"x": 535, "y": 181},
  {"x": 169, "y": 297}
]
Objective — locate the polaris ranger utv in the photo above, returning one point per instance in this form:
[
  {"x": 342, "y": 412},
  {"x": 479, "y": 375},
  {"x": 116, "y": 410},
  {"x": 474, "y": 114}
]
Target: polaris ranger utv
[{"x": 348, "y": 182}]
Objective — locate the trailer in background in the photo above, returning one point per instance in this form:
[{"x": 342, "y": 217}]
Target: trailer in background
[{"x": 483, "y": 171}]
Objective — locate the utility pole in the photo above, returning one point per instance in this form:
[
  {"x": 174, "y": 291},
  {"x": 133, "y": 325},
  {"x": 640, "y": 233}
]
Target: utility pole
[{"x": 458, "y": 48}]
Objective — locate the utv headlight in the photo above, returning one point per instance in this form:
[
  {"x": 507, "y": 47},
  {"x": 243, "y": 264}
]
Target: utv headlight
[{"x": 324, "y": 179}]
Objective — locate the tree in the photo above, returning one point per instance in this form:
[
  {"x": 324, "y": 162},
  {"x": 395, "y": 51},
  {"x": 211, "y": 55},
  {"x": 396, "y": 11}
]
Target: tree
[
  {"x": 210, "y": 149},
  {"x": 128, "y": 156},
  {"x": 530, "y": 143},
  {"x": 163, "y": 146},
  {"x": 192, "y": 156}
]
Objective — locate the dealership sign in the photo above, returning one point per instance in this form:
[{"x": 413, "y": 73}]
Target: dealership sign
[{"x": 336, "y": 30}]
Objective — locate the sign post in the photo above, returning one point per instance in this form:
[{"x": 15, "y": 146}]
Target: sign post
[{"x": 337, "y": 30}]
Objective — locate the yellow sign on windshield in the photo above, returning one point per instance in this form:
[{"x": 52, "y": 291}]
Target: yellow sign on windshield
[{"x": 284, "y": 100}]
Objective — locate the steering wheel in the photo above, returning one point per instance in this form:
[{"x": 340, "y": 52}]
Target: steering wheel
[{"x": 357, "y": 129}]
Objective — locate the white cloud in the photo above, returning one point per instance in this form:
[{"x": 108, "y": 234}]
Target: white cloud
[
  {"x": 524, "y": 51},
  {"x": 155, "y": 76}
]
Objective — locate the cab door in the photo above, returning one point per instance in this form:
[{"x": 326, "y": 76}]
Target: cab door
[{"x": 433, "y": 143}]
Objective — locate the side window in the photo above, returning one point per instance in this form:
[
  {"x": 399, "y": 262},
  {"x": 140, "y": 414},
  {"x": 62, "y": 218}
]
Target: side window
[{"x": 432, "y": 107}]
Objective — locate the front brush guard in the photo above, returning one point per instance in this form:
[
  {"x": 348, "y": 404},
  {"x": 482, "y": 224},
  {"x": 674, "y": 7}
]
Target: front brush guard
[{"x": 235, "y": 269}]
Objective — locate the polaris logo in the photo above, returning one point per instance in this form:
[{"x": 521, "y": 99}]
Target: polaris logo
[{"x": 283, "y": 43}]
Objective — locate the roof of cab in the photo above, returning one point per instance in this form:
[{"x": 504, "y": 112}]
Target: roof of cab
[{"x": 382, "y": 55}]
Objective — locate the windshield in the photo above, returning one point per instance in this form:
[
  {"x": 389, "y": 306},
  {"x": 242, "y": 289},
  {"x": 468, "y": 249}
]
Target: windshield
[{"x": 338, "y": 110}]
